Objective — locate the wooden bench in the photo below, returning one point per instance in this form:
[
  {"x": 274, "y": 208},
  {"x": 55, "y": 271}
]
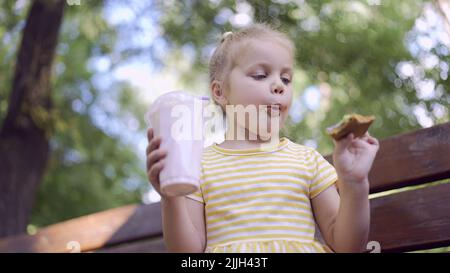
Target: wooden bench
[{"x": 415, "y": 218}]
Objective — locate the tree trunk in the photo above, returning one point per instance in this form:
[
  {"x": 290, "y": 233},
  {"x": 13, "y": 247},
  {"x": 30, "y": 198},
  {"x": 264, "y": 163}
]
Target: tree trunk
[{"x": 24, "y": 145}]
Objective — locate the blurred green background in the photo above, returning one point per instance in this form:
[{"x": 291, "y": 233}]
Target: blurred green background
[{"x": 389, "y": 58}]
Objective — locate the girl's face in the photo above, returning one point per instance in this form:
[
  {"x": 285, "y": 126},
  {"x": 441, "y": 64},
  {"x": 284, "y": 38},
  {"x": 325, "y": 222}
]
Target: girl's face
[{"x": 262, "y": 75}]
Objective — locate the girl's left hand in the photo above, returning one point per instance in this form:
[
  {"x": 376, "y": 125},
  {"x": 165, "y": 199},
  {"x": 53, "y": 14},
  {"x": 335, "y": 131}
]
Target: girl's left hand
[{"x": 353, "y": 157}]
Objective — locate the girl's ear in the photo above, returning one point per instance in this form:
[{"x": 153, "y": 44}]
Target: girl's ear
[{"x": 218, "y": 93}]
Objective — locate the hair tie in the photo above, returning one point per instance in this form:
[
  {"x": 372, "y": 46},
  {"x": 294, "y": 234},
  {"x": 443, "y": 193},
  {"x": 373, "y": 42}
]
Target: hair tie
[{"x": 225, "y": 35}]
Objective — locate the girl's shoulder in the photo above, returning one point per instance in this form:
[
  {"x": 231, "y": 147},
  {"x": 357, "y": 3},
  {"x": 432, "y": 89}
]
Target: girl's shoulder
[
  {"x": 208, "y": 151},
  {"x": 299, "y": 148}
]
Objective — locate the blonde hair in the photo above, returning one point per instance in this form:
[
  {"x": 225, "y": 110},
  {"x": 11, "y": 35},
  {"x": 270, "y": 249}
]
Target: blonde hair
[{"x": 224, "y": 56}]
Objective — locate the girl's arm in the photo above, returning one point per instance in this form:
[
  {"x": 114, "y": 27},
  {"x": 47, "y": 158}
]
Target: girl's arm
[
  {"x": 183, "y": 219},
  {"x": 344, "y": 220},
  {"x": 183, "y": 224}
]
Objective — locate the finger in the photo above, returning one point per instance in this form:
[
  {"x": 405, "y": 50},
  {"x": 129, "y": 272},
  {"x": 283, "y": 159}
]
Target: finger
[
  {"x": 149, "y": 134},
  {"x": 155, "y": 156},
  {"x": 369, "y": 138},
  {"x": 154, "y": 144},
  {"x": 156, "y": 169},
  {"x": 149, "y": 138},
  {"x": 373, "y": 141},
  {"x": 154, "y": 180},
  {"x": 148, "y": 149}
]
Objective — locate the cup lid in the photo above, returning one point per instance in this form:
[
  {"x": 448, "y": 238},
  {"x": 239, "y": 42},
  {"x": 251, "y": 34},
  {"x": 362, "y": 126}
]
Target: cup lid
[{"x": 171, "y": 99}]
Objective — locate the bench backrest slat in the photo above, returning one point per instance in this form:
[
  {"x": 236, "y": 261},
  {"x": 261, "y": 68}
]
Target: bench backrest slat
[
  {"x": 413, "y": 158},
  {"x": 412, "y": 220}
]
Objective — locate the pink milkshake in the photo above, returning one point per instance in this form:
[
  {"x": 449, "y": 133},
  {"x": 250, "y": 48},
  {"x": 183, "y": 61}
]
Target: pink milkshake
[{"x": 177, "y": 117}]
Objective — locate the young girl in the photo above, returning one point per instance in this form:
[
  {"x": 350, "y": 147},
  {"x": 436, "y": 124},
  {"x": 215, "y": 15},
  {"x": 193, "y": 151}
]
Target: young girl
[{"x": 255, "y": 198}]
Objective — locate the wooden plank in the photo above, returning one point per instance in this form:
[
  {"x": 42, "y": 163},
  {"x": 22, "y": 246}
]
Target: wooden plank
[
  {"x": 412, "y": 220},
  {"x": 410, "y": 159},
  {"x": 155, "y": 245},
  {"x": 94, "y": 231}
]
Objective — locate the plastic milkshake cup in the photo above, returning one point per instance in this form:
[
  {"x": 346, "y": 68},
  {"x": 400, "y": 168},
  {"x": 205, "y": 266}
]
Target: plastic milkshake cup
[{"x": 177, "y": 117}]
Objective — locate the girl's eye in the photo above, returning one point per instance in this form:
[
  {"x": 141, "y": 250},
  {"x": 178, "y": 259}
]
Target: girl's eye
[
  {"x": 286, "y": 80},
  {"x": 259, "y": 77}
]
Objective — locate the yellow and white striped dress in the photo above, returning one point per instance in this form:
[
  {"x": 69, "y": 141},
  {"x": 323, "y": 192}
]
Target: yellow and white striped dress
[{"x": 258, "y": 200}]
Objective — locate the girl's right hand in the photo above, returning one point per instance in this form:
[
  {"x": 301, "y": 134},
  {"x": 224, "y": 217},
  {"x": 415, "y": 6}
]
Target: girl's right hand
[{"x": 155, "y": 162}]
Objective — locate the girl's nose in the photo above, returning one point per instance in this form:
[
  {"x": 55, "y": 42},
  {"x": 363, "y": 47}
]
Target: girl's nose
[{"x": 277, "y": 87}]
